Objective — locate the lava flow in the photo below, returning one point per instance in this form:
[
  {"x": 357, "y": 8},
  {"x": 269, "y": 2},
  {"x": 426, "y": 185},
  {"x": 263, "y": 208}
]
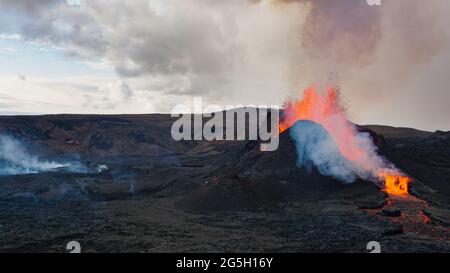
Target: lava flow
[
  {"x": 395, "y": 184},
  {"x": 325, "y": 108}
]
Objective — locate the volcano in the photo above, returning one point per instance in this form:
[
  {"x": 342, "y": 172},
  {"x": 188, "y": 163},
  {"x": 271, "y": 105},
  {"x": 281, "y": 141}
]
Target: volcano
[
  {"x": 145, "y": 192},
  {"x": 258, "y": 178}
]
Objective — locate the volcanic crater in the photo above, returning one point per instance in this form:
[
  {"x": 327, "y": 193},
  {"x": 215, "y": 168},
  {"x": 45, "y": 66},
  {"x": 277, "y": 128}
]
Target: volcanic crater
[{"x": 141, "y": 191}]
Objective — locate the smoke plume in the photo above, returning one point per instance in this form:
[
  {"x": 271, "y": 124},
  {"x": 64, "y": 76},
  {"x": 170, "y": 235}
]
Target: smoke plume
[
  {"x": 346, "y": 31},
  {"x": 328, "y": 141},
  {"x": 381, "y": 54},
  {"x": 15, "y": 159},
  {"x": 316, "y": 149}
]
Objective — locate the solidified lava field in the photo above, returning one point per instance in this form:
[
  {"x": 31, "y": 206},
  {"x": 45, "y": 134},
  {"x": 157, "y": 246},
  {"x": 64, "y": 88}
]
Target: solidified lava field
[{"x": 140, "y": 191}]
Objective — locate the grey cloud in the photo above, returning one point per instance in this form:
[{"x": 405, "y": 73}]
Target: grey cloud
[
  {"x": 136, "y": 38},
  {"x": 378, "y": 53},
  {"x": 208, "y": 47},
  {"x": 345, "y": 30},
  {"x": 349, "y": 31},
  {"x": 56, "y": 22},
  {"x": 22, "y": 77},
  {"x": 30, "y": 7},
  {"x": 109, "y": 96}
]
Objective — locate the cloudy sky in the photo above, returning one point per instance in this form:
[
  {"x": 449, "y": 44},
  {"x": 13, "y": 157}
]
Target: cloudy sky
[{"x": 144, "y": 56}]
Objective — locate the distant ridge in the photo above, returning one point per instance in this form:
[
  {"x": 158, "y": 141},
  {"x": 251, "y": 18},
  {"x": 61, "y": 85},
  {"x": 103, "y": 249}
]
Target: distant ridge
[{"x": 398, "y": 132}]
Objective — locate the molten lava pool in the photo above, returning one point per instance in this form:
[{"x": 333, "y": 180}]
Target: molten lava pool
[{"x": 396, "y": 185}]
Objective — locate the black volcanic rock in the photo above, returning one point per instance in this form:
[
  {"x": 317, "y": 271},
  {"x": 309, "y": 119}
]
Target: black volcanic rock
[
  {"x": 95, "y": 135},
  {"x": 424, "y": 156},
  {"x": 439, "y": 138},
  {"x": 391, "y": 212},
  {"x": 259, "y": 178},
  {"x": 245, "y": 200}
]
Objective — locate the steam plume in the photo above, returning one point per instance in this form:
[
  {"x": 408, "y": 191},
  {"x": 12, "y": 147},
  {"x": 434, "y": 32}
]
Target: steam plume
[
  {"x": 315, "y": 148},
  {"x": 335, "y": 147},
  {"x": 380, "y": 53},
  {"x": 15, "y": 159}
]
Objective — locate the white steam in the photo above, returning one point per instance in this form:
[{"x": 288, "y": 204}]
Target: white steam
[
  {"x": 315, "y": 148},
  {"x": 15, "y": 159},
  {"x": 326, "y": 140}
]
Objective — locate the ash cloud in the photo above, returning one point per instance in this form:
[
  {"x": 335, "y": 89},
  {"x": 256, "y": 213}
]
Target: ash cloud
[
  {"x": 31, "y": 7},
  {"x": 349, "y": 31},
  {"x": 389, "y": 58},
  {"x": 346, "y": 31}
]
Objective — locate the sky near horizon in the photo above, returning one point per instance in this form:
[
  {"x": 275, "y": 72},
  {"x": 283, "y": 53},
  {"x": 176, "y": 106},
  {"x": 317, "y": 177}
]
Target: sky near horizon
[{"x": 391, "y": 62}]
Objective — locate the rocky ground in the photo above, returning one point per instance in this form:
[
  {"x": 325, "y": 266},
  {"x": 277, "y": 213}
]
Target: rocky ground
[{"x": 158, "y": 195}]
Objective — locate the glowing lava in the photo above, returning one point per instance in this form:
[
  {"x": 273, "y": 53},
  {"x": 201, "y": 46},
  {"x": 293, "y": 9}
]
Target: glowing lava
[
  {"x": 325, "y": 108},
  {"x": 396, "y": 185}
]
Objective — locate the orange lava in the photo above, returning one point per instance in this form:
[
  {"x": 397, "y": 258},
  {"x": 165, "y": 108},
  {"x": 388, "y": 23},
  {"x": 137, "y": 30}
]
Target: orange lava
[
  {"x": 325, "y": 108},
  {"x": 396, "y": 185},
  {"x": 413, "y": 218}
]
